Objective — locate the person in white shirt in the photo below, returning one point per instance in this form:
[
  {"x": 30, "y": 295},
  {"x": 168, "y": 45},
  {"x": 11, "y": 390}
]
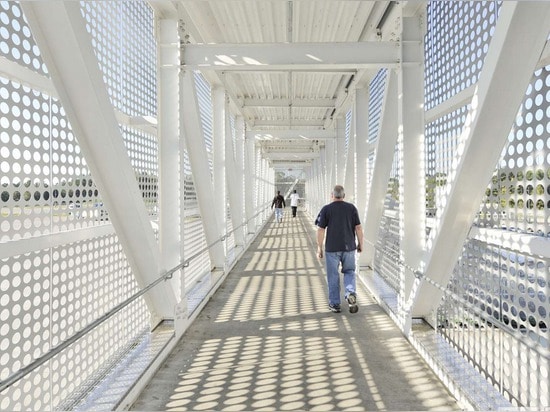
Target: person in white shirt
[{"x": 294, "y": 197}]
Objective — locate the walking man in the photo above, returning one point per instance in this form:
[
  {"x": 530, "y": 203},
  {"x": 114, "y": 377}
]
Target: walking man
[
  {"x": 294, "y": 197},
  {"x": 279, "y": 203},
  {"x": 339, "y": 221}
]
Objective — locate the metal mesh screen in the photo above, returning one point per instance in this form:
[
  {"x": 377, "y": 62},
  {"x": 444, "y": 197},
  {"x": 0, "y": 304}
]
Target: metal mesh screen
[
  {"x": 496, "y": 310},
  {"x": 52, "y": 287}
]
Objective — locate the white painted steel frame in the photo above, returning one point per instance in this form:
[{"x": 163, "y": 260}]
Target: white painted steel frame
[
  {"x": 170, "y": 157},
  {"x": 220, "y": 134},
  {"x": 361, "y": 120},
  {"x": 351, "y": 157},
  {"x": 60, "y": 31},
  {"x": 249, "y": 181},
  {"x": 385, "y": 149},
  {"x": 340, "y": 157},
  {"x": 235, "y": 173},
  {"x": 519, "y": 39},
  {"x": 328, "y": 172},
  {"x": 292, "y": 134},
  {"x": 194, "y": 142},
  {"x": 26, "y": 76},
  {"x": 298, "y": 56},
  {"x": 410, "y": 118}
]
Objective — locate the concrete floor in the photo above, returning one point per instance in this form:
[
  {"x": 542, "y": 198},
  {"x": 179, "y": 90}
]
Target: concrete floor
[{"x": 267, "y": 341}]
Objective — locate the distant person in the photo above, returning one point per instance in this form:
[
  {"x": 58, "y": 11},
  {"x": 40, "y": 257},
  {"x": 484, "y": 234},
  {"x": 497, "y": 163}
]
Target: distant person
[
  {"x": 339, "y": 221},
  {"x": 294, "y": 198},
  {"x": 279, "y": 203}
]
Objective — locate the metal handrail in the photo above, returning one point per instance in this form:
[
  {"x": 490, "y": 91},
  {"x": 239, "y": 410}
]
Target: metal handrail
[
  {"x": 417, "y": 273},
  {"x": 63, "y": 345},
  {"x": 20, "y": 374}
]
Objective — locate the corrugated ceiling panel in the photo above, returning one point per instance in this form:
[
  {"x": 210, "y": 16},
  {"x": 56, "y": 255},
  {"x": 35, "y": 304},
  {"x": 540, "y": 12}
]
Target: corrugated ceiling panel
[{"x": 280, "y": 21}]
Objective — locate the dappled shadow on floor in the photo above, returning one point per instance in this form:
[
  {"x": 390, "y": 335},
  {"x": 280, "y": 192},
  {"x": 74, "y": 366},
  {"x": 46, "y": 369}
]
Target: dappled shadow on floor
[{"x": 267, "y": 341}]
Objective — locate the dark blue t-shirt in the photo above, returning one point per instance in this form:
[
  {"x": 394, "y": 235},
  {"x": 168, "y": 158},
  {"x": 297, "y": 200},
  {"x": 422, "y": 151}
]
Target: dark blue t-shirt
[{"x": 339, "y": 219}]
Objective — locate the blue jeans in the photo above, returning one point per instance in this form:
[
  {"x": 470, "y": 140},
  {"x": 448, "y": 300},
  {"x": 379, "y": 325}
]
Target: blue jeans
[
  {"x": 278, "y": 214},
  {"x": 333, "y": 259}
]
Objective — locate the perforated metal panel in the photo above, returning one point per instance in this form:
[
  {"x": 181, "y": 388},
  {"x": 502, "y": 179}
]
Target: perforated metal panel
[
  {"x": 16, "y": 41},
  {"x": 388, "y": 243},
  {"x": 513, "y": 286},
  {"x": 442, "y": 138},
  {"x": 46, "y": 186},
  {"x": 518, "y": 198},
  {"x": 496, "y": 314},
  {"x": 495, "y": 309},
  {"x": 52, "y": 287},
  {"x": 457, "y": 40},
  {"x": 129, "y": 72},
  {"x": 376, "y": 100}
]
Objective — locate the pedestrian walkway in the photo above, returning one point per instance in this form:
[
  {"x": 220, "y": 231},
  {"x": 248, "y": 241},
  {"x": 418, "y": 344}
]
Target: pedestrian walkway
[{"x": 267, "y": 341}]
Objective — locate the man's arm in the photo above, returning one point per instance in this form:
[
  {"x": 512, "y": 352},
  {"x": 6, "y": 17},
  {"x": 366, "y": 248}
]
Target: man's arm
[
  {"x": 320, "y": 241},
  {"x": 359, "y": 233}
]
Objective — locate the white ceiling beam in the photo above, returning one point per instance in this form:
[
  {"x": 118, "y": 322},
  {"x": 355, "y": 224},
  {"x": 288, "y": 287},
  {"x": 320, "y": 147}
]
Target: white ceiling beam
[
  {"x": 289, "y": 150},
  {"x": 313, "y": 70},
  {"x": 291, "y": 134},
  {"x": 319, "y": 103},
  {"x": 293, "y": 142},
  {"x": 292, "y": 156},
  {"x": 287, "y": 122},
  {"x": 291, "y": 164},
  {"x": 298, "y": 56},
  {"x": 303, "y": 153}
]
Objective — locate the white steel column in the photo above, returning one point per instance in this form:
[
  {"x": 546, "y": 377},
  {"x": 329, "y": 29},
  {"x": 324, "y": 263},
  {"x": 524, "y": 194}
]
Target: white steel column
[
  {"x": 249, "y": 182},
  {"x": 350, "y": 178},
  {"x": 519, "y": 39},
  {"x": 265, "y": 191},
  {"x": 361, "y": 120},
  {"x": 219, "y": 136},
  {"x": 171, "y": 185},
  {"x": 198, "y": 158},
  {"x": 361, "y": 117},
  {"x": 321, "y": 185},
  {"x": 266, "y": 183},
  {"x": 169, "y": 154},
  {"x": 411, "y": 190},
  {"x": 260, "y": 184},
  {"x": 60, "y": 31},
  {"x": 234, "y": 181},
  {"x": 340, "y": 157},
  {"x": 385, "y": 150},
  {"x": 329, "y": 173}
]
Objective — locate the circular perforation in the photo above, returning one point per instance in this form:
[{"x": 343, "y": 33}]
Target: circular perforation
[
  {"x": 459, "y": 37},
  {"x": 16, "y": 41}
]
